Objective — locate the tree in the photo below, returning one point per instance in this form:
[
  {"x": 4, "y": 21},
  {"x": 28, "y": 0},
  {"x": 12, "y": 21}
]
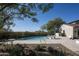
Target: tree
[
  {"x": 53, "y": 25},
  {"x": 10, "y": 11}
]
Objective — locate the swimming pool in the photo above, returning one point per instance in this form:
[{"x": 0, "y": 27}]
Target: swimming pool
[{"x": 34, "y": 38}]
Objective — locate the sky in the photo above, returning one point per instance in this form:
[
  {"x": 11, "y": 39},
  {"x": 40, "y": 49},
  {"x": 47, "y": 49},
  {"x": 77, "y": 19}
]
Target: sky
[{"x": 68, "y": 12}]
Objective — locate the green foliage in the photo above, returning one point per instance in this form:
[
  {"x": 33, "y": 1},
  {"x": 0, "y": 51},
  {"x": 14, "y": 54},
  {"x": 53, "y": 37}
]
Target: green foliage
[
  {"x": 1, "y": 22},
  {"x": 45, "y": 7},
  {"x": 34, "y": 50},
  {"x": 55, "y": 52},
  {"x": 53, "y": 25},
  {"x": 40, "y": 48},
  {"x": 16, "y": 35},
  {"x": 16, "y": 51},
  {"x": 9, "y": 11}
]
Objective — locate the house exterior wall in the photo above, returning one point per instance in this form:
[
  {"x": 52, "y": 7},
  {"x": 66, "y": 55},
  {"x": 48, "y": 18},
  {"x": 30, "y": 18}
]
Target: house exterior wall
[
  {"x": 76, "y": 33},
  {"x": 68, "y": 30}
]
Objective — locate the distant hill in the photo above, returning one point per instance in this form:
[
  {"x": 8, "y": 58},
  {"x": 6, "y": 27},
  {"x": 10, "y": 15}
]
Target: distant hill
[{"x": 76, "y": 22}]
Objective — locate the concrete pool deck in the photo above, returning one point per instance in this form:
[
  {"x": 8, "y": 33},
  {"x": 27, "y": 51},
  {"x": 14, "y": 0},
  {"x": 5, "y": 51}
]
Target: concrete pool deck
[{"x": 68, "y": 43}]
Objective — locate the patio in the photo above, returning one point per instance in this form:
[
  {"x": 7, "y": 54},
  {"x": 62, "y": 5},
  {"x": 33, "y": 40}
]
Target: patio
[{"x": 68, "y": 43}]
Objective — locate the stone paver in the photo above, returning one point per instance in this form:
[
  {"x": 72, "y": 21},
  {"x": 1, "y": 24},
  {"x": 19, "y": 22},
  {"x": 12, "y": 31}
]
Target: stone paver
[{"x": 69, "y": 43}]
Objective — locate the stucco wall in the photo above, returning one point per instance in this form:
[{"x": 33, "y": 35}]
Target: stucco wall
[{"x": 68, "y": 30}]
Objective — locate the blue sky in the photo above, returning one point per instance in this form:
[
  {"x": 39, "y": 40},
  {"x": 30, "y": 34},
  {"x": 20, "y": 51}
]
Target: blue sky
[{"x": 68, "y": 12}]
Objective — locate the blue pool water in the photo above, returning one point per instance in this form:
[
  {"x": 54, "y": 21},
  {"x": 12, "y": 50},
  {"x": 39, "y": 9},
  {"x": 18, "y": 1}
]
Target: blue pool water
[{"x": 34, "y": 38}]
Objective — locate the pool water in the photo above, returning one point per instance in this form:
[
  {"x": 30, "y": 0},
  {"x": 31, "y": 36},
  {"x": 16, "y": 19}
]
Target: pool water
[{"x": 34, "y": 38}]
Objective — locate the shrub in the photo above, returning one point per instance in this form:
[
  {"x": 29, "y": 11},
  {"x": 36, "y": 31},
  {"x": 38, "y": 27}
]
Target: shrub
[
  {"x": 40, "y": 48},
  {"x": 31, "y": 53},
  {"x": 16, "y": 51},
  {"x": 55, "y": 52}
]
